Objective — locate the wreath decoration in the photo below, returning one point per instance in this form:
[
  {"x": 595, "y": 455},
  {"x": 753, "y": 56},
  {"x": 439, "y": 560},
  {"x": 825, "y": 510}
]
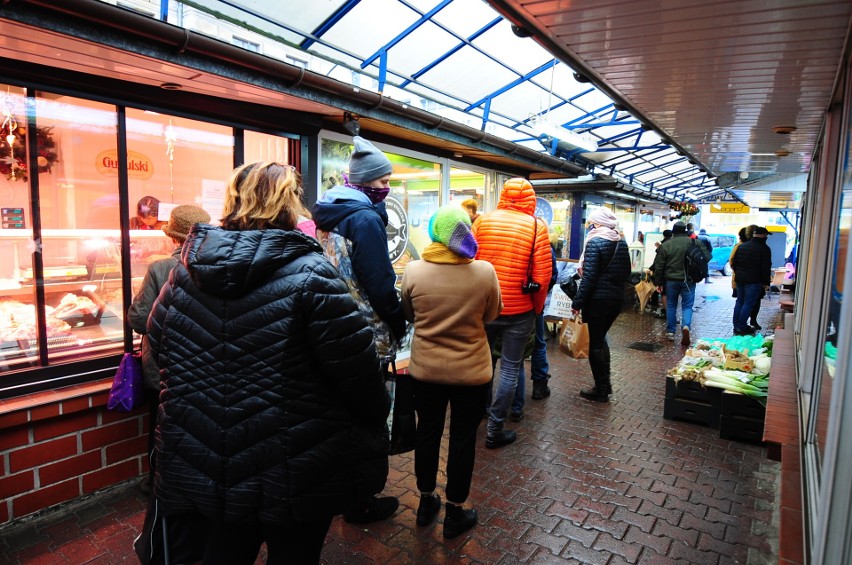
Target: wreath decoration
[{"x": 13, "y": 151}]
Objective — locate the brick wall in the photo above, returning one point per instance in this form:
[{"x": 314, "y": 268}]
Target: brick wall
[{"x": 58, "y": 445}]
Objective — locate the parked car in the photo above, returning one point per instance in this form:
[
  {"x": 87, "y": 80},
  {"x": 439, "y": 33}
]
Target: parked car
[{"x": 723, "y": 243}]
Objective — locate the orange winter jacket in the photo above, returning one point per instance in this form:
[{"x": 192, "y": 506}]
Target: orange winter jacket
[{"x": 505, "y": 238}]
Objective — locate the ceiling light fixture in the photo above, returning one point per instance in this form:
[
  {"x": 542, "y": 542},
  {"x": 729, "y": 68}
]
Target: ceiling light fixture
[
  {"x": 171, "y": 86},
  {"x": 543, "y": 126},
  {"x": 581, "y": 78},
  {"x": 784, "y": 130},
  {"x": 520, "y": 31}
]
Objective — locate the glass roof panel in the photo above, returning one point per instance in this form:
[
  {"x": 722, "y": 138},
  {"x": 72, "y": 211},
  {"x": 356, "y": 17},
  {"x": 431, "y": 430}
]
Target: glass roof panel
[
  {"x": 469, "y": 75},
  {"x": 451, "y": 64}
]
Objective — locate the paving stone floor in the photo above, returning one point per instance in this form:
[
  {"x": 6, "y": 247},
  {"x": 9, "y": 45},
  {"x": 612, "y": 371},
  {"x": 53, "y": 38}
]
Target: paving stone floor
[{"x": 584, "y": 483}]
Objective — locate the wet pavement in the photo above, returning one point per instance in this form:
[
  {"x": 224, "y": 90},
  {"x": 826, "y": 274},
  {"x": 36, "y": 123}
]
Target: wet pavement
[{"x": 584, "y": 483}]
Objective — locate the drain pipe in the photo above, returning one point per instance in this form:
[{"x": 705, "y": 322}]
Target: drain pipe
[{"x": 186, "y": 41}]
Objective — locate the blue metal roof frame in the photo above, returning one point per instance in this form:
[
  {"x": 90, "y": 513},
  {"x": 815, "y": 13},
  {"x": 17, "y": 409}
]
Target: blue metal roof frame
[{"x": 461, "y": 60}]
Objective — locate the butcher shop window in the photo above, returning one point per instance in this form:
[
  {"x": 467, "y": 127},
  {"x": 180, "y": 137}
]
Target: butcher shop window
[{"x": 65, "y": 282}]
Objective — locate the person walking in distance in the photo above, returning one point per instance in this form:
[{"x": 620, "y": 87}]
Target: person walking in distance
[
  {"x": 351, "y": 223},
  {"x": 605, "y": 267},
  {"x": 516, "y": 243},
  {"x": 670, "y": 271},
  {"x": 704, "y": 239},
  {"x": 450, "y": 297}
]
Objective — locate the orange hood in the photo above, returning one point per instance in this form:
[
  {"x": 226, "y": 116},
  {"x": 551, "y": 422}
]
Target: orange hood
[{"x": 517, "y": 194}]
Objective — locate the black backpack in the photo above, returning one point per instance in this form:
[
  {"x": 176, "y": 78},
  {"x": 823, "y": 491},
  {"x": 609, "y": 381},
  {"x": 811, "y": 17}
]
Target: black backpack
[{"x": 695, "y": 263}]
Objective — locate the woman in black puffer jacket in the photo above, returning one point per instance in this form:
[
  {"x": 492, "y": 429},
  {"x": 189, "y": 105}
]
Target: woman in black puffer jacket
[
  {"x": 273, "y": 410},
  {"x": 605, "y": 266}
]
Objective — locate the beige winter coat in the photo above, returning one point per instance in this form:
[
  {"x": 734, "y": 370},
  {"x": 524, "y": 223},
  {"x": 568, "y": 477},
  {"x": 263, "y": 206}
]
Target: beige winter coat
[{"x": 449, "y": 305}]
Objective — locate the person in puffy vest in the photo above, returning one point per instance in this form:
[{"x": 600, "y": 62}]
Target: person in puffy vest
[
  {"x": 517, "y": 244},
  {"x": 273, "y": 408}
]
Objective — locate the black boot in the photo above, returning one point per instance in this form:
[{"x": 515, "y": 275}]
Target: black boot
[
  {"x": 428, "y": 509},
  {"x": 597, "y": 361},
  {"x": 457, "y": 520},
  {"x": 540, "y": 390}
]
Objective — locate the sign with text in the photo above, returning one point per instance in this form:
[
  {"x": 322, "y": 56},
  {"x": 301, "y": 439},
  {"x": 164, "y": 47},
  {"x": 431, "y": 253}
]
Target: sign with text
[
  {"x": 729, "y": 208},
  {"x": 13, "y": 219},
  {"x": 139, "y": 166},
  {"x": 558, "y": 304}
]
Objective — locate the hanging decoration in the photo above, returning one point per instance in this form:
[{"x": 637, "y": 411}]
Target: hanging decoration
[
  {"x": 13, "y": 146},
  {"x": 685, "y": 208},
  {"x": 171, "y": 138}
]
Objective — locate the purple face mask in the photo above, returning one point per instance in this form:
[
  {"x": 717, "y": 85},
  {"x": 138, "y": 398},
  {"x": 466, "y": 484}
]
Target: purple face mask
[{"x": 375, "y": 195}]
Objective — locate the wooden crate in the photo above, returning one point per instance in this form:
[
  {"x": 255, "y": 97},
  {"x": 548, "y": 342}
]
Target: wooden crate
[
  {"x": 742, "y": 418},
  {"x": 691, "y": 402}
]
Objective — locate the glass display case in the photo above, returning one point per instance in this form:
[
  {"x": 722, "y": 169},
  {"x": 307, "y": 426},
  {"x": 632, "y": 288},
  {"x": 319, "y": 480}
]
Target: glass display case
[{"x": 83, "y": 306}]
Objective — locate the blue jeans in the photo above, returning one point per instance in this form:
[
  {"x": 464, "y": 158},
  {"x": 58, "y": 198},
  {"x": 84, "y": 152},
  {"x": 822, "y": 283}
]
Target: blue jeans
[
  {"x": 514, "y": 331},
  {"x": 748, "y": 295},
  {"x": 686, "y": 292},
  {"x": 539, "y": 366}
]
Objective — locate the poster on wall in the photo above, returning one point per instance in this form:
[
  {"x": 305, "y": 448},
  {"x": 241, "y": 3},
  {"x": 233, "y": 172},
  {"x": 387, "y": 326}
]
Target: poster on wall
[{"x": 213, "y": 198}]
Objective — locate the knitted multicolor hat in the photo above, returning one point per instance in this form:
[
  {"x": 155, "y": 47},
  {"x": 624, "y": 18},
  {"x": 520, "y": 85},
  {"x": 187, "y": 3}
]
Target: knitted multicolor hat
[{"x": 450, "y": 225}]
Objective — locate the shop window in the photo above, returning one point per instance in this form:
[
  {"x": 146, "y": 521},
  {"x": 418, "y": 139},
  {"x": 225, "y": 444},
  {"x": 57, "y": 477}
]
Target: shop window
[
  {"x": 465, "y": 184},
  {"x": 264, "y": 147},
  {"x": 80, "y": 235}
]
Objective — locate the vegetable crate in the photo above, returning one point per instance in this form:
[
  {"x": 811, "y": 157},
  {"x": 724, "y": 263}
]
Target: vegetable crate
[
  {"x": 742, "y": 418},
  {"x": 689, "y": 401}
]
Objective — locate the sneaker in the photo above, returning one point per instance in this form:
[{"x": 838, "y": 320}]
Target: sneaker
[
  {"x": 684, "y": 332},
  {"x": 517, "y": 416},
  {"x": 428, "y": 509},
  {"x": 670, "y": 336},
  {"x": 377, "y": 508},
  {"x": 540, "y": 390},
  {"x": 501, "y": 438}
]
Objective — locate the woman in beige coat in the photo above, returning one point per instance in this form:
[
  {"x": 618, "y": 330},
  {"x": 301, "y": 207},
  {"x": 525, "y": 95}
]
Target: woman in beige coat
[{"x": 449, "y": 296}]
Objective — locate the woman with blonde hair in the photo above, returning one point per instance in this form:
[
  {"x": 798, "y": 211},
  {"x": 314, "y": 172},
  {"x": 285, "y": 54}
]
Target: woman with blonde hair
[{"x": 273, "y": 410}]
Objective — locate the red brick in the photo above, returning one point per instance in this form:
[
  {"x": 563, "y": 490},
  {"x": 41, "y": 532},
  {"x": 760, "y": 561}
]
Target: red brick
[
  {"x": 108, "y": 435},
  {"x": 75, "y": 405},
  {"x": 16, "y": 484},
  {"x": 67, "y": 468},
  {"x": 63, "y": 425},
  {"x": 41, "y": 453},
  {"x": 134, "y": 447},
  {"x": 42, "y": 498},
  {"x": 15, "y": 437},
  {"x": 12, "y": 419},
  {"x": 44, "y": 412},
  {"x": 110, "y": 476}
]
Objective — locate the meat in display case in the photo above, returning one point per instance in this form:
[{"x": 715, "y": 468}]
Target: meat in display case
[{"x": 83, "y": 307}]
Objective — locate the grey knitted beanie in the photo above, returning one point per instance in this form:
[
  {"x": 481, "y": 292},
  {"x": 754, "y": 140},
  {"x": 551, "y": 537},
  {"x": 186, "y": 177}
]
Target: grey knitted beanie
[{"x": 367, "y": 162}]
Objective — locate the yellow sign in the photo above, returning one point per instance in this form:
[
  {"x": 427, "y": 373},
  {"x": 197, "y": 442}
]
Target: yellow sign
[
  {"x": 138, "y": 165},
  {"x": 729, "y": 208}
]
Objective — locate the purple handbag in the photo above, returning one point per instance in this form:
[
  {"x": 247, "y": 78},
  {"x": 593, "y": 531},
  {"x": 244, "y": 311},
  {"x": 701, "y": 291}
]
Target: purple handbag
[{"x": 126, "y": 393}]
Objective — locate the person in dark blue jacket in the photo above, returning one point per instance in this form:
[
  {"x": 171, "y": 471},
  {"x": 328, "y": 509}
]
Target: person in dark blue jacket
[
  {"x": 273, "y": 409},
  {"x": 605, "y": 265},
  {"x": 351, "y": 225}
]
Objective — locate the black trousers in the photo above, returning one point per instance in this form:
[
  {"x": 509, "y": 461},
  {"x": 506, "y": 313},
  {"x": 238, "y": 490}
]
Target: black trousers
[
  {"x": 430, "y": 402},
  {"x": 600, "y": 315},
  {"x": 293, "y": 544}
]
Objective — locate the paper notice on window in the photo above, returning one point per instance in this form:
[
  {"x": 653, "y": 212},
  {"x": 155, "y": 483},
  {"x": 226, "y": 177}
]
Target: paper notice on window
[{"x": 213, "y": 198}]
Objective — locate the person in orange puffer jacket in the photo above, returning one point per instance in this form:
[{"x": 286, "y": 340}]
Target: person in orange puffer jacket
[{"x": 513, "y": 240}]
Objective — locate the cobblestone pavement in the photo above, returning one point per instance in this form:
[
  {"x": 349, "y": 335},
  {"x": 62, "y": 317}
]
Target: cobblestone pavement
[{"x": 584, "y": 483}]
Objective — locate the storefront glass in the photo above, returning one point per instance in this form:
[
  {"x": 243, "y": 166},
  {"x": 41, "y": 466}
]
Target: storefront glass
[
  {"x": 466, "y": 184},
  {"x": 264, "y": 147}
]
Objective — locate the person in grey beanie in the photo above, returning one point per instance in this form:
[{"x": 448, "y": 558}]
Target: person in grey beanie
[{"x": 351, "y": 225}]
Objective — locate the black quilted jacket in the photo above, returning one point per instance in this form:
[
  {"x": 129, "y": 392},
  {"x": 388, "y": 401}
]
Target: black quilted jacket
[
  {"x": 606, "y": 267},
  {"x": 272, "y": 409}
]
